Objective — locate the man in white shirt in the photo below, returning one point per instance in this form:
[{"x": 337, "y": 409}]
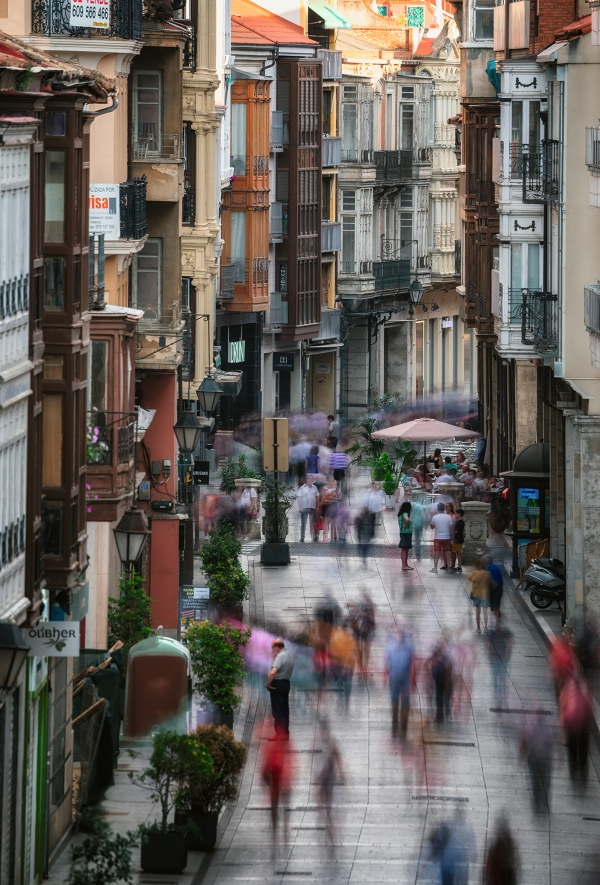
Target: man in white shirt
[
  {"x": 307, "y": 504},
  {"x": 373, "y": 503},
  {"x": 443, "y": 526}
]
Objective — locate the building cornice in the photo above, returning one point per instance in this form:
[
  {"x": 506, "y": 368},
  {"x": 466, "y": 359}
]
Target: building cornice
[{"x": 92, "y": 48}]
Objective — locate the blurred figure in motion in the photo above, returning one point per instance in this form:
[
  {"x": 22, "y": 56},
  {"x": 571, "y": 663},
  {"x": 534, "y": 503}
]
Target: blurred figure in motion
[
  {"x": 399, "y": 661},
  {"x": 480, "y": 594},
  {"x": 342, "y": 521},
  {"x": 440, "y": 667},
  {"x": 277, "y": 772},
  {"x": 497, "y": 588},
  {"x": 586, "y": 641},
  {"x": 536, "y": 749},
  {"x": 502, "y": 861},
  {"x": 405, "y": 528},
  {"x": 330, "y": 773},
  {"x": 562, "y": 661},
  {"x": 338, "y": 463},
  {"x": 278, "y": 684},
  {"x": 210, "y": 510},
  {"x": 298, "y": 455},
  {"x": 330, "y": 496},
  {"x": 419, "y": 520},
  {"x": 342, "y": 650},
  {"x": 575, "y": 713},
  {"x": 362, "y": 624},
  {"x": 452, "y": 846},
  {"x": 500, "y": 650},
  {"x": 373, "y": 504},
  {"x": 307, "y": 505}
]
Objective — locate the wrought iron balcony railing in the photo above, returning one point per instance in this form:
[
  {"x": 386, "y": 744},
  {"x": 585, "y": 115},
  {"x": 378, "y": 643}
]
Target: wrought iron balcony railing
[
  {"x": 539, "y": 321},
  {"x": 347, "y": 267},
  {"x": 330, "y": 324},
  {"x": 132, "y": 197},
  {"x": 14, "y": 296},
  {"x": 591, "y": 309},
  {"x": 541, "y": 170},
  {"x": 332, "y": 63},
  {"x": 156, "y": 146},
  {"x": 110, "y": 437},
  {"x": 227, "y": 289},
  {"x": 277, "y": 314},
  {"x": 331, "y": 236},
  {"x": 393, "y": 165},
  {"x": 393, "y": 274},
  {"x": 331, "y": 150},
  {"x": 349, "y": 156},
  {"x": 53, "y": 18},
  {"x": 188, "y": 206}
]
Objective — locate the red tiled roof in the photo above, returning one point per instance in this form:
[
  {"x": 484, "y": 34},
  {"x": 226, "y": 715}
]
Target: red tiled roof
[
  {"x": 575, "y": 29},
  {"x": 8, "y": 50},
  {"x": 252, "y": 25},
  {"x": 425, "y": 47}
]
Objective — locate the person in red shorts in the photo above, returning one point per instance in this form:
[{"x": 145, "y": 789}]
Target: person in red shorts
[{"x": 443, "y": 527}]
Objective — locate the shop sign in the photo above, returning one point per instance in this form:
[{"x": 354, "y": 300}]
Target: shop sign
[
  {"x": 105, "y": 217},
  {"x": 237, "y": 351},
  {"x": 283, "y": 362},
  {"x": 89, "y": 13},
  {"x": 447, "y": 322},
  {"x": 201, "y": 473},
  {"x": 53, "y": 639},
  {"x": 323, "y": 368},
  {"x": 193, "y": 605}
]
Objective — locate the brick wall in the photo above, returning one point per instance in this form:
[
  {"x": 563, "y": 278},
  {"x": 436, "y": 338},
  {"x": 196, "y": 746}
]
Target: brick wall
[{"x": 549, "y": 16}]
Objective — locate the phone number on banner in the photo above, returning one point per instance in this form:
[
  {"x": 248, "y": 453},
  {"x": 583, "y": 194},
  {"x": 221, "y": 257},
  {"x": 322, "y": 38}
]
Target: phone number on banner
[{"x": 89, "y": 14}]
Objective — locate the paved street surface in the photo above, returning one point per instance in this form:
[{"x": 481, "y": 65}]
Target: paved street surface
[{"x": 394, "y": 793}]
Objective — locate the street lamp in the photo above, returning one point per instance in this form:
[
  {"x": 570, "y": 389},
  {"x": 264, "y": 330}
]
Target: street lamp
[
  {"x": 415, "y": 291},
  {"x": 13, "y": 651},
  {"x": 209, "y": 394},
  {"x": 131, "y": 535},
  {"x": 187, "y": 431}
]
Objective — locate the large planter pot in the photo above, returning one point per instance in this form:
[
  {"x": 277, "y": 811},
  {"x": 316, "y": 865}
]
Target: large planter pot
[
  {"x": 275, "y": 529},
  {"x": 275, "y": 554},
  {"x": 163, "y": 852},
  {"x": 206, "y": 837},
  {"x": 225, "y": 719}
]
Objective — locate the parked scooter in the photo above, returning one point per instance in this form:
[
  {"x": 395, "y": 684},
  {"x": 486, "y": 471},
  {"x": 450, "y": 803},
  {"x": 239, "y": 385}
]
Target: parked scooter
[{"x": 545, "y": 578}]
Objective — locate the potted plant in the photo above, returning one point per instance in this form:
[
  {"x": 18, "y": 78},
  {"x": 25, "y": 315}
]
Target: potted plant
[
  {"x": 217, "y": 665},
  {"x": 236, "y": 470},
  {"x": 176, "y": 761},
  {"x": 206, "y": 796},
  {"x": 228, "y": 582},
  {"x": 275, "y": 524},
  {"x": 101, "y": 859},
  {"x": 365, "y": 448}
]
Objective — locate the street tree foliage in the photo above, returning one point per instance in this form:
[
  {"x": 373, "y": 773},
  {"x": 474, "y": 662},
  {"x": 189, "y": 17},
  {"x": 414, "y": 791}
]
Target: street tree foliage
[
  {"x": 129, "y": 615},
  {"x": 217, "y": 665}
]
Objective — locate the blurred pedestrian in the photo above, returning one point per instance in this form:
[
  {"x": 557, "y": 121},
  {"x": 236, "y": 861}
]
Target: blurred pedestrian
[
  {"x": 497, "y": 588},
  {"x": 481, "y": 581},
  {"x": 536, "y": 749},
  {"x": 307, "y": 505},
  {"x": 210, "y": 509},
  {"x": 330, "y": 773},
  {"x": 333, "y": 432},
  {"x": 330, "y": 496},
  {"x": 342, "y": 521},
  {"x": 562, "y": 661},
  {"x": 278, "y": 684},
  {"x": 457, "y": 541},
  {"x": 500, "y": 650},
  {"x": 277, "y": 772},
  {"x": 576, "y": 719},
  {"x": 452, "y": 847},
  {"x": 502, "y": 861},
  {"x": 342, "y": 651},
  {"x": 298, "y": 455},
  {"x": 373, "y": 504},
  {"x": 338, "y": 464},
  {"x": 405, "y": 528},
  {"x": 443, "y": 526},
  {"x": 313, "y": 464},
  {"x": 419, "y": 518},
  {"x": 399, "y": 661},
  {"x": 362, "y": 623},
  {"x": 440, "y": 667}
]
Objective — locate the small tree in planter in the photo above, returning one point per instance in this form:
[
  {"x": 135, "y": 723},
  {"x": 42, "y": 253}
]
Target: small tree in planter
[
  {"x": 220, "y": 557},
  {"x": 275, "y": 523},
  {"x": 205, "y": 798},
  {"x": 236, "y": 470},
  {"x": 102, "y": 859},
  {"x": 177, "y": 760},
  {"x": 129, "y": 615},
  {"x": 217, "y": 665}
]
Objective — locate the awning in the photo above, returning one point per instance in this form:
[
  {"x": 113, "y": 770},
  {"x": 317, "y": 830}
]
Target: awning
[{"x": 331, "y": 18}]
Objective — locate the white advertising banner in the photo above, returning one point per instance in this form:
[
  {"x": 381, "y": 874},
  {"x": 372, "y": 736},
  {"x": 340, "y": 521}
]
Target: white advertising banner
[
  {"x": 105, "y": 215},
  {"x": 53, "y": 639},
  {"x": 89, "y": 13}
]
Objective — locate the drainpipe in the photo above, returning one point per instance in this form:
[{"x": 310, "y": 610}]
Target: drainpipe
[
  {"x": 109, "y": 110},
  {"x": 506, "y": 29}
]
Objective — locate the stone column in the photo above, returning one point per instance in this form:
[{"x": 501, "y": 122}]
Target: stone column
[{"x": 476, "y": 530}]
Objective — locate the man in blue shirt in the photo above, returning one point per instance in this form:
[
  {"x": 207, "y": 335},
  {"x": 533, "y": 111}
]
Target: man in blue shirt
[
  {"x": 497, "y": 586},
  {"x": 398, "y": 670}
]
